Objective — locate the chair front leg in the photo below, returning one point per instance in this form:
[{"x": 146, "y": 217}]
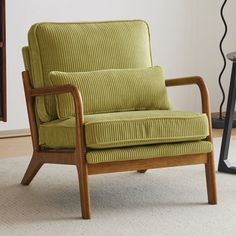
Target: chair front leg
[
  {"x": 211, "y": 179},
  {"x": 84, "y": 190},
  {"x": 32, "y": 170}
]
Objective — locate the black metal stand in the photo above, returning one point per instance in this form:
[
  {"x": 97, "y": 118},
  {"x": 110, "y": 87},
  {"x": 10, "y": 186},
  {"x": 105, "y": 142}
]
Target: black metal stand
[
  {"x": 218, "y": 121},
  {"x": 224, "y": 164}
]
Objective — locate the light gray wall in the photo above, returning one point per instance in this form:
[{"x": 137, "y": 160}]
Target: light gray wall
[
  {"x": 209, "y": 32},
  {"x": 185, "y": 36}
]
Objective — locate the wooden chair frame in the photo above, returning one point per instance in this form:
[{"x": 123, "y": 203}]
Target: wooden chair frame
[{"x": 77, "y": 156}]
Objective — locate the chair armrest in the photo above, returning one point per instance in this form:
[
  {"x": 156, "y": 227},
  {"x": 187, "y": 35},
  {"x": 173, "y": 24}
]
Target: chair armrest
[
  {"x": 205, "y": 100},
  {"x": 33, "y": 92},
  {"x": 194, "y": 81},
  {"x": 30, "y": 93}
]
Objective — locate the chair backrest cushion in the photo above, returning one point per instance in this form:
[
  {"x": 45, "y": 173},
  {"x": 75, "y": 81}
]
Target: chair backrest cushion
[
  {"x": 113, "y": 90},
  {"x": 89, "y": 46}
]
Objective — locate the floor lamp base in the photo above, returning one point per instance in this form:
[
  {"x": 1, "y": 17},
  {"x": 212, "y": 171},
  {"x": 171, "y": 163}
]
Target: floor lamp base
[
  {"x": 218, "y": 123},
  {"x": 224, "y": 164}
]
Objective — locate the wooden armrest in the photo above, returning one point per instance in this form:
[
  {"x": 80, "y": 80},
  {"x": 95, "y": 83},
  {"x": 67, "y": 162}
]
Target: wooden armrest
[
  {"x": 202, "y": 87},
  {"x": 33, "y": 92},
  {"x": 79, "y": 111},
  {"x": 74, "y": 91},
  {"x": 53, "y": 90},
  {"x": 204, "y": 95}
]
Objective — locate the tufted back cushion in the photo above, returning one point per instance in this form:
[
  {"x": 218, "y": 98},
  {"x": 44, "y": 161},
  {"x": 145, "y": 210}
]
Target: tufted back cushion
[{"x": 89, "y": 46}]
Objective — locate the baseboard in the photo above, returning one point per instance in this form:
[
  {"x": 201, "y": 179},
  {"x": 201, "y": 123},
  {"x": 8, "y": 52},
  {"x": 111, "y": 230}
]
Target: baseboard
[{"x": 14, "y": 133}]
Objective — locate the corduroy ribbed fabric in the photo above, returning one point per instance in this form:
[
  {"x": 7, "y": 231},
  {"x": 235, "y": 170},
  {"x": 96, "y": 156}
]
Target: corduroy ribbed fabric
[
  {"x": 26, "y": 58},
  {"x": 74, "y": 47},
  {"x": 122, "y": 129},
  {"x": 113, "y": 90},
  {"x": 147, "y": 152}
]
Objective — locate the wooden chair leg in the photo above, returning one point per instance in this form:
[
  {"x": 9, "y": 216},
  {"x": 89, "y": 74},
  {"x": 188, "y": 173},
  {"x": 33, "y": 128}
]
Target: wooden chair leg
[
  {"x": 211, "y": 179},
  {"x": 141, "y": 171},
  {"x": 31, "y": 171},
  {"x": 84, "y": 192}
]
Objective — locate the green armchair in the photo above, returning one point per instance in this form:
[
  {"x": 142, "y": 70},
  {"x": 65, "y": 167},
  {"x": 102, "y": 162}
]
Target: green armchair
[{"x": 95, "y": 101}]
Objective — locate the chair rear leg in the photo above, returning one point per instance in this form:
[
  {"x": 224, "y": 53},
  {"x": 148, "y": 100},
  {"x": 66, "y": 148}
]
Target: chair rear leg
[
  {"x": 84, "y": 191},
  {"x": 141, "y": 171},
  {"x": 31, "y": 171},
  {"x": 211, "y": 179}
]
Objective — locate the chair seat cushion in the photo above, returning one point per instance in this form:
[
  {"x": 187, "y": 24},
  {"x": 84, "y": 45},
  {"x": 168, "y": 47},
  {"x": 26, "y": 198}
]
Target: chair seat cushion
[
  {"x": 123, "y": 129},
  {"x": 148, "y": 151}
]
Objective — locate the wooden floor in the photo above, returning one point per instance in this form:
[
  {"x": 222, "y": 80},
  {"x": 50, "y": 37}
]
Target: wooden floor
[
  {"x": 15, "y": 147},
  {"x": 18, "y": 147}
]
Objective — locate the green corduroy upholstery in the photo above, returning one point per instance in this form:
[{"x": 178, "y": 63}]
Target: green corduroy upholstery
[
  {"x": 149, "y": 151},
  {"x": 74, "y": 47},
  {"x": 26, "y": 58},
  {"x": 113, "y": 90},
  {"x": 122, "y": 129},
  {"x": 91, "y": 46}
]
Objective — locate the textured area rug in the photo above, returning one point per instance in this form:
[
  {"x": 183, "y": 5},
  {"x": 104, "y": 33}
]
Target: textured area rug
[{"x": 170, "y": 201}]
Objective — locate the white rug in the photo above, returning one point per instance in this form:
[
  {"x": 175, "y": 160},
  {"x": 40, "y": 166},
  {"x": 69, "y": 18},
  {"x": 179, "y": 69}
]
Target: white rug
[{"x": 169, "y": 201}]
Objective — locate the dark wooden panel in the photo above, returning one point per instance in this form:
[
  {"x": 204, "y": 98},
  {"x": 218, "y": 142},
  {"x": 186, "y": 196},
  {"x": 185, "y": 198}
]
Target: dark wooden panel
[{"x": 3, "y": 95}]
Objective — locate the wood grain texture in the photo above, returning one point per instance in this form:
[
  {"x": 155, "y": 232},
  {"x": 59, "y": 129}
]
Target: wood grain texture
[
  {"x": 211, "y": 179},
  {"x": 32, "y": 170},
  {"x": 160, "y": 162},
  {"x": 210, "y": 165},
  {"x": 15, "y": 147},
  {"x": 79, "y": 155}
]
